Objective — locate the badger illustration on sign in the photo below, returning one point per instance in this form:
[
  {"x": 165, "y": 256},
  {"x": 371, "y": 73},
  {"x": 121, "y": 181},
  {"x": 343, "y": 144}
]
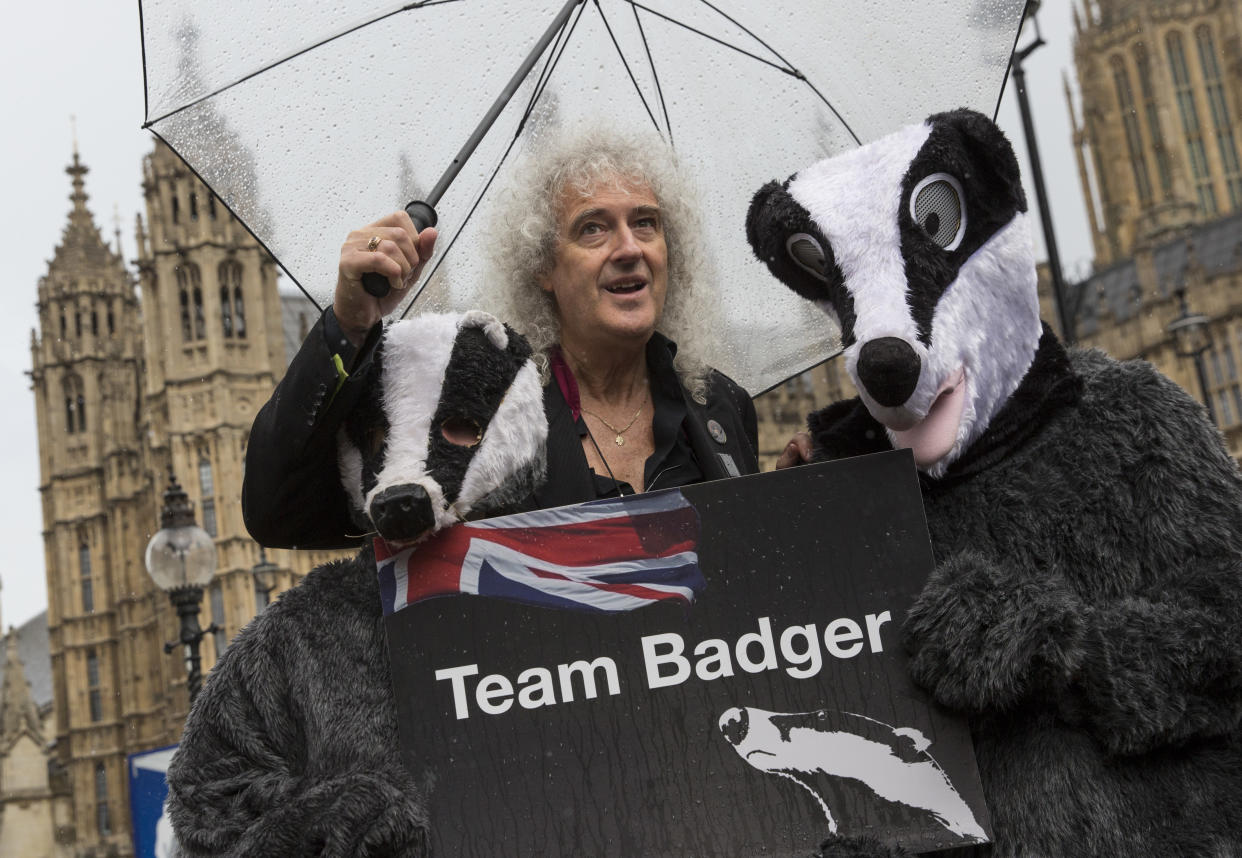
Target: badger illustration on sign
[{"x": 844, "y": 759}]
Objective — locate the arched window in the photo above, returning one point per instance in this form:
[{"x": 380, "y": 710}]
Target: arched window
[
  {"x": 1152, "y": 112},
  {"x": 94, "y": 322},
  {"x": 176, "y": 208},
  {"x": 193, "y": 206},
  {"x": 95, "y": 694},
  {"x": 207, "y": 491},
  {"x": 226, "y": 312},
  {"x": 189, "y": 285},
  {"x": 77, "y": 323},
  {"x": 183, "y": 289},
  {"x": 232, "y": 313},
  {"x": 220, "y": 636},
  {"x": 1222, "y": 125},
  {"x": 75, "y": 404},
  {"x": 211, "y": 205},
  {"x": 1134, "y": 137},
  {"x": 103, "y": 822},
  {"x": 111, "y": 320},
  {"x": 1190, "y": 122},
  {"x": 87, "y": 581},
  {"x": 200, "y": 319},
  {"x": 239, "y": 311},
  {"x": 64, "y": 325}
]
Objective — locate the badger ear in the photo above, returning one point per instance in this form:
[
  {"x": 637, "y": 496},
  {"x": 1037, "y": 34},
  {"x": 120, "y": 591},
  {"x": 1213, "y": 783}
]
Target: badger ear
[
  {"x": 779, "y": 229},
  {"x": 990, "y": 153},
  {"x": 762, "y": 227}
]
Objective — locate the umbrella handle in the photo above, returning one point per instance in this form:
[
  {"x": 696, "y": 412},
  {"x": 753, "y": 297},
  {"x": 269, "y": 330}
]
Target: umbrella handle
[{"x": 423, "y": 216}]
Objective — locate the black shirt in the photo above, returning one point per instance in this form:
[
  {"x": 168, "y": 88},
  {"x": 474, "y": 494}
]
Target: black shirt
[{"x": 672, "y": 462}]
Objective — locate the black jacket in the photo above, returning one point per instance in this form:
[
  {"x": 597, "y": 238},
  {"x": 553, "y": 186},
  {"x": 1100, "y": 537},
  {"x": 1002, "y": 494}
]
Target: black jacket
[{"x": 292, "y": 495}]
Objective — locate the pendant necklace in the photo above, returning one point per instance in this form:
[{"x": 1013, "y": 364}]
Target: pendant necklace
[{"x": 620, "y": 441}]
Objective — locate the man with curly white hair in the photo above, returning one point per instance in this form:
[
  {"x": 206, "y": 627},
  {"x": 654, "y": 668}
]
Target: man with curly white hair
[{"x": 597, "y": 257}]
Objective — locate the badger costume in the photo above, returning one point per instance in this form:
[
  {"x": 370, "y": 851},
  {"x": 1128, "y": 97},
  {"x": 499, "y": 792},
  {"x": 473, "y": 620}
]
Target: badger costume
[
  {"x": 1085, "y": 612},
  {"x": 290, "y": 749}
]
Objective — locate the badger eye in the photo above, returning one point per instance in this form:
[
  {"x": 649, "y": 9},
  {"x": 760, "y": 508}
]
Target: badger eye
[
  {"x": 807, "y": 254},
  {"x": 937, "y": 205},
  {"x": 461, "y": 431},
  {"x": 375, "y": 441}
]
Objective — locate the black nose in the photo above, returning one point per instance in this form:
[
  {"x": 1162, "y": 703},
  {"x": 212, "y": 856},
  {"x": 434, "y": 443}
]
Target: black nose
[
  {"x": 735, "y": 725},
  {"x": 889, "y": 369},
  {"x": 402, "y": 512}
]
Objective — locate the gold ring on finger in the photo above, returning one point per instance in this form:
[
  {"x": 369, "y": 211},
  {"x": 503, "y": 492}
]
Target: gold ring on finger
[{"x": 374, "y": 243}]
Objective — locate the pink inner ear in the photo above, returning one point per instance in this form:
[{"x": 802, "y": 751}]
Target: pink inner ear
[
  {"x": 933, "y": 437},
  {"x": 461, "y": 431}
]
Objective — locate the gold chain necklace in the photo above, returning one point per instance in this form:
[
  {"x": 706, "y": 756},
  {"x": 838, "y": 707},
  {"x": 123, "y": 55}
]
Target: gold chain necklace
[{"x": 619, "y": 432}]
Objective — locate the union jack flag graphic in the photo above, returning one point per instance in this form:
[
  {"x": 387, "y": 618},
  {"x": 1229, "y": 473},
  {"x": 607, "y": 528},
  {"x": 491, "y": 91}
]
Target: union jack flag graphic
[{"x": 605, "y": 556}]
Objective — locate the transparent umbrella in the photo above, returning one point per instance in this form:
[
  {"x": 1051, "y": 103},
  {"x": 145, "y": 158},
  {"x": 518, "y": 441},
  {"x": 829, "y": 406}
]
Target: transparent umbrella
[{"x": 310, "y": 119}]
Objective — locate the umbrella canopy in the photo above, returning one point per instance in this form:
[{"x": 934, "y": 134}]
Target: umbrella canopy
[{"x": 311, "y": 119}]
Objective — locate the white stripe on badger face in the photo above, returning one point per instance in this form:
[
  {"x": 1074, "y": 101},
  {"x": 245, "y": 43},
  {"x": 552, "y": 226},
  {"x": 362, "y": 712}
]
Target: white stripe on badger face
[
  {"x": 854, "y": 199},
  {"x": 987, "y": 321},
  {"x": 517, "y": 434},
  {"x": 416, "y": 355}
]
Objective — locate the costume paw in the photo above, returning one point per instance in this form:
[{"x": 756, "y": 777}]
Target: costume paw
[
  {"x": 985, "y": 636},
  {"x": 856, "y": 847}
]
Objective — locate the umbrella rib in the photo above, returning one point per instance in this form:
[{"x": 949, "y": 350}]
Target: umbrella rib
[
  {"x": 229, "y": 209},
  {"x": 407, "y": 7},
  {"x": 554, "y": 59},
  {"x": 621, "y": 56},
  {"x": 785, "y": 68},
  {"x": 655, "y": 76},
  {"x": 799, "y": 75}
]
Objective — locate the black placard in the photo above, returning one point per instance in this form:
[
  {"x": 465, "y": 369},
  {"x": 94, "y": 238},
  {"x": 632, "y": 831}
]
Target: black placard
[{"x": 762, "y": 762}]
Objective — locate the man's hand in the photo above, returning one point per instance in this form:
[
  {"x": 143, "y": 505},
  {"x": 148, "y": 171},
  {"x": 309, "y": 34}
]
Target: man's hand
[
  {"x": 796, "y": 452},
  {"x": 391, "y": 247}
]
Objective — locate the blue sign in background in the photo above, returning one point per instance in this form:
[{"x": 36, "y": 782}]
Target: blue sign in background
[{"x": 148, "y": 788}]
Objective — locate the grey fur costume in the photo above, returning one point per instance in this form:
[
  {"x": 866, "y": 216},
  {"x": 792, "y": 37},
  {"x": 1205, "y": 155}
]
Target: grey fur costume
[
  {"x": 296, "y": 752},
  {"x": 1085, "y": 612}
]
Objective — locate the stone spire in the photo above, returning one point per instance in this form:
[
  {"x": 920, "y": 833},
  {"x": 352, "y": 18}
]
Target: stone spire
[
  {"x": 81, "y": 242},
  {"x": 17, "y": 707}
]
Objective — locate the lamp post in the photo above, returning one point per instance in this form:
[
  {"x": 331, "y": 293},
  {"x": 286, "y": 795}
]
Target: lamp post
[
  {"x": 1064, "y": 315},
  {"x": 1192, "y": 336},
  {"x": 264, "y": 573},
  {"x": 181, "y": 559}
]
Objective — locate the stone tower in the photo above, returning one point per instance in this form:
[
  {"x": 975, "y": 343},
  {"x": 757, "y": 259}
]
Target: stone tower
[
  {"x": 86, "y": 361},
  {"x": 214, "y": 348},
  {"x": 1159, "y": 135}
]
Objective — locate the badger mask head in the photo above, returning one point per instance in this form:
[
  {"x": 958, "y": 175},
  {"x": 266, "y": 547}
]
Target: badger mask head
[
  {"x": 917, "y": 245},
  {"x": 452, "y": 426}
]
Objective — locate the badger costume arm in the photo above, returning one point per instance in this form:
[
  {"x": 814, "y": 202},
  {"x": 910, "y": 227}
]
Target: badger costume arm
[
  {"x": 1126, "y": 616},
  {"x": 290, "y": 499},
  {"x": 290, "y": 749}
]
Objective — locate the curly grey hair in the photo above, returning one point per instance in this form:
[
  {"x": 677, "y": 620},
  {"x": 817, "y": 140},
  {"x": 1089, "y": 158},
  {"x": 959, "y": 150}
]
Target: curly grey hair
[{"x": 525, "y": 240}]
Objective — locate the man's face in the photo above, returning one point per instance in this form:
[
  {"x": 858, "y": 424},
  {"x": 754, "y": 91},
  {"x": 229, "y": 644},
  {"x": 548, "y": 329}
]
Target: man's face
[{"x": 610, "y": 273}]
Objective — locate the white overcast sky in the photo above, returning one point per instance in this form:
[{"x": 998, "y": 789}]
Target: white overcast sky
[{"x": 83, "y": 58}]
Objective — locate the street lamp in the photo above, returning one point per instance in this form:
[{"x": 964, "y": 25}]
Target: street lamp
[
  {"x": 181, "y": 559},
  {"x": 1192, "y": 336},
  {"x": 1059, "y": 292},
  {"x": 264, "y": 573}
]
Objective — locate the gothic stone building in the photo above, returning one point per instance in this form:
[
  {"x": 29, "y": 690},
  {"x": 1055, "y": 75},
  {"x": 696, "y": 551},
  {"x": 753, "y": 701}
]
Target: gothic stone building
[
  {"x": 130, "y": 384},
  {"x": 1158, "y": 138}
]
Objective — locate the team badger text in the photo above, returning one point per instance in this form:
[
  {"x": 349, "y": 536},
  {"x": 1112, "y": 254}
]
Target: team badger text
[{"x": 798, "y": 650}]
